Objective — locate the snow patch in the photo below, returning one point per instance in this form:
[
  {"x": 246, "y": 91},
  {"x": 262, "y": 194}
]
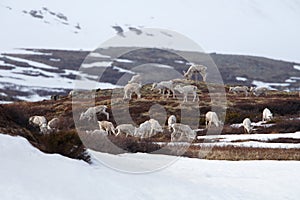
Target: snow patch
[
  {"x": 97, "y": 64},
  {"x": 262, "y": 137},
  {"x": 179, "y": 61},
  {"x": 26, "y": 51},
  {"x": 269, "y": 85},
  {"x": 255, "y": 124},
  {"x": 123, "y": 60},
  {"x": 295, "y": 78},
  {"x": 98, "y": 55},
  {"x": 241, "y": 79},
  {"x": 5, "y": 102},
  {"x": 55, "y": 59},
  {"x": 123, "y": 70},
  {"x": 33, "y": 98},
  {"x": 250, "y": 144},
  {"x": 32, "y": 63},
  {"x": 290, "y": 80},
  {"x": 163, "y": 66},
  {"x": 297, "y": 67},
  {"x": 45, "y": 79},
  {"x": 2, "y": 63},
  {"x": 3, "y": 94}
]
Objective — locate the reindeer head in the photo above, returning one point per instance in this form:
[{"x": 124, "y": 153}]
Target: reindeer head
[{"x": 153, "y": 86}]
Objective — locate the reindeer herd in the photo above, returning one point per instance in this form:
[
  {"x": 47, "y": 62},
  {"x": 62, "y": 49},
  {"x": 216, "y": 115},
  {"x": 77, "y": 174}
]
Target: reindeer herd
[
  {"x": 257, "y": 91},
  {"x": 151, "y": 127}
]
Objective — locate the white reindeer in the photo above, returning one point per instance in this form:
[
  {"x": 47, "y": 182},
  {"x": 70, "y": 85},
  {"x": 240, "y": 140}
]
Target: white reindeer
[
  {"x": 267, "y": 115},
  {"x": 128, "y": 129},
  {"x": 136, "y": 79},
  {"x": 195, "y": 69},
  {"x": 131, "y": 88},
  {"x": 164, "y": 86},
  {"x": 149, "y": 128},
  {"x": 185, "y": 90},
  {"x": 212, "y": 117},
  {"x": 182, "y": 132},
  {"x": 171, "y": 120},
  {"x": 91, "y": 112},
  {"x": 247, "y": 125},
  {"x": 107, "y": 126},
  {"x": 39, "y": 121},
  {"x": 258, "y": 91},
  {"x": 53, "y": 124},
  {"x": 239, "y": 89}
]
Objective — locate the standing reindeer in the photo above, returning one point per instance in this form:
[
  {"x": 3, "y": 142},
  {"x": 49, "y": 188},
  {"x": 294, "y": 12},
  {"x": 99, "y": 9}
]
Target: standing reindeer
[{"x": 195, "y": 69}]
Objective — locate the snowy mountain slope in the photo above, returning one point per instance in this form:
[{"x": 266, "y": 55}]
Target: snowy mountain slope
[
  {"x": 33, "y": 80},
  {"x": 36, "y": 74},
  {"x": 264, "y": 28},
  {"x": 26, "y": 173}
]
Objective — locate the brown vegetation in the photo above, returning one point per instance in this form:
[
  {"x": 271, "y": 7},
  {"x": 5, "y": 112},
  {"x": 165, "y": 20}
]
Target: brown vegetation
[{"x": 286, "y": 108}]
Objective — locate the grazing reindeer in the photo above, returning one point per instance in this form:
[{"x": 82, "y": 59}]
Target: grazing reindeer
[
  {"x": 131, "y": 88},
  {"x": 164, "y": 86},
  {"x": 267, "y": 115},
  {"x": 195, "y": 69},
  {"x": 247, "y": 125},
  {"x": 185, "y": 90},
  {"x": 212, "y": 117}
]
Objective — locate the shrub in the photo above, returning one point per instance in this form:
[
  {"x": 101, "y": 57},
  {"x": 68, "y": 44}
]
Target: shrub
[{"x": 66, "y": 143}]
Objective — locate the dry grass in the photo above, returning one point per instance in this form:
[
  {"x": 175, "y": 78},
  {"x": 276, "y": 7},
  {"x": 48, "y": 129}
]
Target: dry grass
[
  {"x": 244, "y": 153},
  {"x": 14, "y": 121}
]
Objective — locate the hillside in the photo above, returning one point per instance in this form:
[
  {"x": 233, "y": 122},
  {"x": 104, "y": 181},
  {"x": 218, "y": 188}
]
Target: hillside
[
  {"x": 36, "y": 74},
  {"x": 284, "y": 105}
]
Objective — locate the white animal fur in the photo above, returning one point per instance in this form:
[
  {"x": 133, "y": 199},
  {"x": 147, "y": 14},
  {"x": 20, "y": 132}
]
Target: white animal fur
[
  {"x": 185, "y": 90},
  {"x": 164, "y": 86},
  {"x": 247, "y": 125},
  {"x": 107, "y": 126},
  {"x": 149, "y": 128},
  {"x": 135, "y": 79},
  {"x": 53, "y": 124},
  {"x": 171, "y": 120},
  {"x": 37, "y": 120},
  {"x": 267, "y": 115},
  {"x": 90, "y": 113},
  {"x": 131, "y": 88},
  {"x": 212, "y": 117},
  {"x": 260, "y": 91},
  {"x": 195, "y": 69},
  {"x": 238, "y": 89},
  {"x": 128, "y": 129},
  {"x": 184, "y": 131}
]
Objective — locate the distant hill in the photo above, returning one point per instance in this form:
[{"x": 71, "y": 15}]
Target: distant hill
[{"x": 36, "y": 74}]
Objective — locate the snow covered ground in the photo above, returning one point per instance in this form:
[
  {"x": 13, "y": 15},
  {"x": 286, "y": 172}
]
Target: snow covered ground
[
  {"x": 38, "y": 76},
  {"x": 41, "y": 77},
  {"x": 269, "y": 85},
  {"x": 262, "y": 137},
  {"x": 28, "y": 174},
  {"x": 249, "y": 140}
]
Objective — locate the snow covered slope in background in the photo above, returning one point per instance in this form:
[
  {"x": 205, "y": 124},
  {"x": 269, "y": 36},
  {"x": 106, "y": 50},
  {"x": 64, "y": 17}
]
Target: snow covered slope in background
[
  {"x": 265, "y": 28},
  {"x": 26, "y": 173}
]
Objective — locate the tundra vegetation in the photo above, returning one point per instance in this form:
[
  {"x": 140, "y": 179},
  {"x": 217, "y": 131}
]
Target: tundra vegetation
[{"x": 65, "y": 140}]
